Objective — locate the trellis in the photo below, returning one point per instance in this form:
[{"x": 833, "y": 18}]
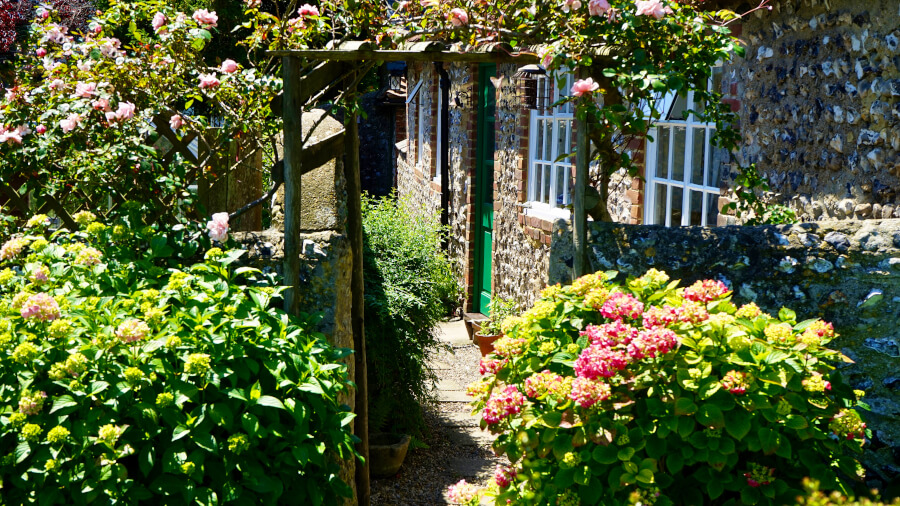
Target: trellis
[{"x": 307, "y": 74}]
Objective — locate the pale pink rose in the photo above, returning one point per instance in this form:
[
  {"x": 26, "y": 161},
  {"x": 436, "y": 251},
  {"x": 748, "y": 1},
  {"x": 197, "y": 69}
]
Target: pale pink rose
[
  {"x": 70, "y": 123},
  {"x": 583, "y": 86},
  {"x": 218, "y": 227},
  {"x": 10, "y": 136},
  {"x": 40, "y": 129},
  {"x": 123, "y": 113},
  {"x": 229, "y": 66},
  {"x": 110, "y": 47},
  {"x": 253, "y": 4},
  {"x": 295, "y": 24},
  {"x": 101, "y": 104},
  {"x": 85, "y": 90},
  {"x": 56, "y": 33},
  {"x": 571, "y": 4},
  {"x": 43, "y": 13},
  {"x": 176, "y": 122},
  {"x": 308, "y": 10},
  {"x": 205, "y": 18},
  {"x": 56, "y": 85},
  {"x": 41, "y": 52},
  {"x": 11, "y": 94},
  {"x": 84, "y": 65},
  {"x": 208, "y": 81},
  {"x": 458, "y": 17},
  {"x": 159, "y": 21},
  {"x": 654, "y": 8},
  {"x": 598, "y": 7}
]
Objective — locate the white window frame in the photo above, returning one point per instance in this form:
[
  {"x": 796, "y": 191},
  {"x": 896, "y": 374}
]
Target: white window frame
[
  {"x": 416, "y": 100},
  {"x": 539, "y": 195},
  {"x": 687, "y": 187}
]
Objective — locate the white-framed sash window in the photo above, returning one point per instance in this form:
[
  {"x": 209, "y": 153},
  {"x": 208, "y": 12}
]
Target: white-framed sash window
[
  {"x": 552, "y": 135},
  {"x": 415, "y": 99},
  {"x": 683, "y": 170}
]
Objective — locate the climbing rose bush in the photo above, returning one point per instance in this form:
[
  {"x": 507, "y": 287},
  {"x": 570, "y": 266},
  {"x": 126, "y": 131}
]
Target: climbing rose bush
[
  {"x": 642, "y": 392},
  {"x": 134, "y": 370}
]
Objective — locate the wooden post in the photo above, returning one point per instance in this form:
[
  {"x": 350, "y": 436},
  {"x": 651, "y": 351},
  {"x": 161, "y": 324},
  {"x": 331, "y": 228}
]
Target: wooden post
[
  {"x": 354, "y": 230},
  {"x": 582, "y": 160},
  {"x": 293, "y": 152}
]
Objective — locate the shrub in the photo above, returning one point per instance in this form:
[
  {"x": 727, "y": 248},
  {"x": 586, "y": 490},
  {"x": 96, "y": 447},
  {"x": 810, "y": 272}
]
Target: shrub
[
  {"x": 815, "y": 497},
  {"x": 408, "y": 286},
  {"x": 643, "y": 392},
  {"x": 127, "y": 378}
]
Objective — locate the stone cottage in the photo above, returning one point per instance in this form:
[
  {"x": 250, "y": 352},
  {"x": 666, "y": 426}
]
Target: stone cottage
[{"x": 817, "y": 100}]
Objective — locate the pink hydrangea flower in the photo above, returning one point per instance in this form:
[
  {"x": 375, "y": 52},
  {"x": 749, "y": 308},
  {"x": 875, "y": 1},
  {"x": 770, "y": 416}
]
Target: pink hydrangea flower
[
  {"x": 205, "y": 18},
  {"x": 159, "y": 21},
  {"x": 598, "y": 7},
  {"x": 40, "y": 307},
  {"x": 176, "y": 122},
  {"x": 586, "y": 392},
  {"x": 610, "y": 334},
  {"x": 71, "y": 122},
  {"x": 600, "y": 361},
  {"x": 539, "y": 384},
  {"x": 458, "y": 17},
  {"x": 229, "y": 66},
  {"x": 654, "y": 8},
  {"x": 12, "y": 248},
  {"x": 31, "y": 405},
  {"x": 295, "y": 24},
  {"x": 503, "y": 475},
  {"x": 652, "y": 342},
  {"x": 490, "y": 365},
  {"x": 659, "y": 316},
  {"x": 132, "y": 330},
  {"x": 735, "y": 382},
  {"x": 208, "y": 81},
  {"x": 692, "y": 312},
  {"x": 218, "y": 227},
  {"x": 463, "y": 492},
  {"x": 88, "y": 257},
  {"x": 583, "y": 86},
  {"x": 620, "y": 305},
  {"x": 706, "y": 291},
  {"x": 503, "y": 404}
]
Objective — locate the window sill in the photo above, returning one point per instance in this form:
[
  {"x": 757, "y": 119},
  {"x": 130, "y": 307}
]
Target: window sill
[{"x": 545, "y": 212}]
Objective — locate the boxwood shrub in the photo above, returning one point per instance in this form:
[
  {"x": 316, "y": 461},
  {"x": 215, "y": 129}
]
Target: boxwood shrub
[
  {"x": 641, "y": 392},
  {"x": 129, "y": 374}
]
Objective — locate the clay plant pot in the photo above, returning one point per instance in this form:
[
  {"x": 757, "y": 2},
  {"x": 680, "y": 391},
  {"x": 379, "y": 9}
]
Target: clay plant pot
[
  {"x": 473, "y": 327},
  {"x": 386, "y": 453},
  {"x": 486, "y": 343}
]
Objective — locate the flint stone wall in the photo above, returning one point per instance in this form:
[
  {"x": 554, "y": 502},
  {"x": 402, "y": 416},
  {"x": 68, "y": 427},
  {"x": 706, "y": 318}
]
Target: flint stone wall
[
  {"x": 845, "y": 272},
  {"x": 820, "y": 105}
]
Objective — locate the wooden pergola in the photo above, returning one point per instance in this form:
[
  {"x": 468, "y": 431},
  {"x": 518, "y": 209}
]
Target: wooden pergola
[{"x": 306, "y": 72}]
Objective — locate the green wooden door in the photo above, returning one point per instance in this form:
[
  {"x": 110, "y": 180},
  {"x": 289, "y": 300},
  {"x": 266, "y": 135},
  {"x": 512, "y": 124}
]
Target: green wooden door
[{"x": 484, "y": 186}]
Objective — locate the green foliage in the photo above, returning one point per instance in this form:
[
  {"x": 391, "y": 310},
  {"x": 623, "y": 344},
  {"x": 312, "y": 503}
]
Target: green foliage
[
  {"x": 500, "y": 309},
  {"x": 136, "y": 375},
  {"x": 620, "y": 393},
  {"x": 815, "y": 497},
  {"x": 748, "y": 185},
  {"x": 408, "y": 285}
]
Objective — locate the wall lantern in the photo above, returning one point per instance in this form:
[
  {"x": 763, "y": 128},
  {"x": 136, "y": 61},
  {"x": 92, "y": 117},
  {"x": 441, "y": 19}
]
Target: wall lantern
[
  {"x": 395, "y": 80},
  {"x": 526, "y": 79}
]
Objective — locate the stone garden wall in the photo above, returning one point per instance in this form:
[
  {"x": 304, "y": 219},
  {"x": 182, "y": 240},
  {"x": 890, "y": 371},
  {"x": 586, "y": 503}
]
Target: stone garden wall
[
  {"x": 846, "y": 272},
  {"x": 819, "y": 104}
]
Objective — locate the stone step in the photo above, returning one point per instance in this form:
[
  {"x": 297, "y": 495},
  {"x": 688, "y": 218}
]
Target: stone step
[
  {"x": 459, "y": 420},
  {"x": 448, "y": 385},
  {"x": 452, "y": 396},
  {"x": 471, "y": 437},
  {"x": 470, "y": 467}
]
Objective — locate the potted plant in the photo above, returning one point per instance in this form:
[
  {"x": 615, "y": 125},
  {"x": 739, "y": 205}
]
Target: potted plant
[{"x": 490, "y": 330}]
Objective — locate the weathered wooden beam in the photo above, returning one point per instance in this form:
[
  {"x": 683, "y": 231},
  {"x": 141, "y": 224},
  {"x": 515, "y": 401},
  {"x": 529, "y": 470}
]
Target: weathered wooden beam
[
  {"x": 321, "y": 76},
  {"x": 293, "y": 155}
]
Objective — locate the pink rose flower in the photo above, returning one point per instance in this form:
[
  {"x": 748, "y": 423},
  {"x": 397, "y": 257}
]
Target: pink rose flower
[
  {"x": 110, "y": 47},
  {"x": 43, "y": 13},
  {"x": 308, "y": 10},
  {"x": 70, "y": 123},
  {"x": 208, "y": 81},
  {"x": 123, "y": 113},
  {"x": 598, "y": 7},
  {"x": 41, "y": 52},
  {"x": 458, "y": 17},
  {"x": 10, "y": 136},
  {"x": 654, "y": 8},
  {"x": 101, "y": 104},
  {"x": 583, "y": 86},
  {"x": 159, "y": 21},
  {"x": 229, "y": 66},
  {"x": 41, "y": 129},
  {"x": 205, "y": 18},
  {"x": 571, "y": 4},
  {"x": 85, "y": 90},
  {"x": 176, "y": 122},
  {"x": 218, "y": 227}
]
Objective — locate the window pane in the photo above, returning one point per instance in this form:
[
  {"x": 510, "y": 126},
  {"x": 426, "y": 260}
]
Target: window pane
[
  {"x": 548, "y": 141},
  {"x": 678, "y": 148},
  {"x": 561, "y": 140},
  {"x": 662, "y": 152},
  {"x": 712, "y": 209},
  {"x": 675, "y": 214},
  {"x": 677, "y": 112},
  {"x": 546, "y": 192},
  {"x": 569, "y": 182},
  {"x": 717, "y": 166},
  {"x": 699, "y": 147},
  {"x": 659, "y": 205},
  {"x": 559, "y": 201},
  {"x": 717, "y": 79},
  {"x": 696, "y": 208},
  {"x": 539, "y": 148}
]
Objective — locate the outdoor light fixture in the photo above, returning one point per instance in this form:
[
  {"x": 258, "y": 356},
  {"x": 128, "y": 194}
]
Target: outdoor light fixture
[
  {"x": 526, "y": 79},
  {"x": 395, "y": 79}
]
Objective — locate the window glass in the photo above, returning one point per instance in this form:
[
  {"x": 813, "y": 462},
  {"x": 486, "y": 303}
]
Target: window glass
[
  {"x": 678, "y": 150},
  {"x": 698, "y": 152},
  {"x": 696, "y": 211},
  {"x": 662, "y": 152},
  {"x": 660, "y": 204},
  {"x": 677, "y": 203}
]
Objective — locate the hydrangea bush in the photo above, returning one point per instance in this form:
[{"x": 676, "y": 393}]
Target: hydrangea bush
[
  {"x": 641, "y": 392},
  {"x": 129, "y": 375}
]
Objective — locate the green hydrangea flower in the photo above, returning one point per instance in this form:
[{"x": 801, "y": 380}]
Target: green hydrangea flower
[
  {"x": 25, "y": 353},
  {"x": 31, "y": 432},
  {"x": 133, "y": 375},
  {"x": 57, "y": 435},
  {"x": 165, "y": 400},
  {"x": 197, "y": 363},
  {"x": 238, "y": 443}
]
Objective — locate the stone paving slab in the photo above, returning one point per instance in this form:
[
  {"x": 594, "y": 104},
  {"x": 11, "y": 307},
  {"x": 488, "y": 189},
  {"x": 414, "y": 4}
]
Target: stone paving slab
[
  {"x": 458, "y": 420},
  {"x": 452, "y": 396},
  {"x": 449, "y": 385},
  {"x": 471, "y": 436},
  {"x": 454, "y": 332},
  {"x": 470, "y": 467}
]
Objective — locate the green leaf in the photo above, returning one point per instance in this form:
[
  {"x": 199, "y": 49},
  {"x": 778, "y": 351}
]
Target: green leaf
[
  {"x": 552, "y": 418},
  {"x": 565, "y": 478},
  {"x": 206, "y": 441},
  {"x": 625, "y": 454},
  {"x": 768, "y": 438},
  {"x": 146, "y": 459},
  {"x": 231, "y": 256},
  {"x": 685, "y": 406},
  {"x": 737, "y": 423},
  {"x": 64, "y": 402},
  {"x": 23, "y": 450},
  {"x": 645, "y": 476},
  {"x": 582, "y": 475},
  {"x": 710, "y": 416},
  {"x": 787, "y": 315},
  {"x": 272, "y": 402},
  {"x": 180, "y": 432},
  {"x": 605, "y": 455},
  {"x": 796, "y": 422},
  {"x": 222, "y": 415},
  {"x": 714, "y": 489},
  {"x": 674, "y": 462}
]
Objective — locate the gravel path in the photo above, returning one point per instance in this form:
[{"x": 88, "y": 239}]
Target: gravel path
[{"x": 458, "y": 448}]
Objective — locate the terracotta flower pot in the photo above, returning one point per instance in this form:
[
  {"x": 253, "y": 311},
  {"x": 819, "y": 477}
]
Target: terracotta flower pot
[
  {"x": 486, "y": 343},
  {"x": 473, "y": 327},
  {"x": 386, "y": 453}
]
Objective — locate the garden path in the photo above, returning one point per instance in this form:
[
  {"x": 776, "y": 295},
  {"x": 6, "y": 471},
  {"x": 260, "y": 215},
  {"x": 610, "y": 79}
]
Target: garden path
[{"x": 458, "y": 448}]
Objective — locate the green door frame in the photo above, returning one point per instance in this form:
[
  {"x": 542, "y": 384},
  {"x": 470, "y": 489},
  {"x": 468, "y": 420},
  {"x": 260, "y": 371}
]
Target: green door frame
[{"x": 484, "y": 187}]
